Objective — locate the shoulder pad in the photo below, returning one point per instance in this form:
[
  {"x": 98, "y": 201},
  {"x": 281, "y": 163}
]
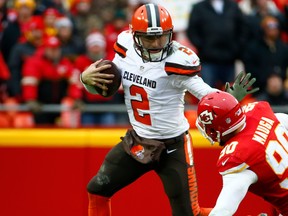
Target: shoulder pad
[
  {"x": 257, "y": 105},
  {"x": 122, "y": 43},
  {"x": 182, "y": 61}
]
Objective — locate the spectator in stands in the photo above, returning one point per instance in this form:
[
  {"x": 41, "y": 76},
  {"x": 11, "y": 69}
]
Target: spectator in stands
[
  {"x": 84, "y": 20},
  {"x": 96, "y": 49},
  {"x": 266, "y": 55},
  {"x": 261, "y": 9},
  {"x": 50, "y": 16},
  {"x": 14, "y": 30},
  {"x": 3, "y": 16},
  {"x": 20, "y": 52},
  {"x": 113, "y": 29},
  {"x": 59, "y": 5},
  {"x": 216, "y": 29},
  {"x": 4, "y": 71},
  {"x": 71, "y": 44},
  {"x": 4, "y": 76},
  {"x": 274, "y": 93},
  {"x": 285, "y": 11},
  {"x": 47, "y": 79}
]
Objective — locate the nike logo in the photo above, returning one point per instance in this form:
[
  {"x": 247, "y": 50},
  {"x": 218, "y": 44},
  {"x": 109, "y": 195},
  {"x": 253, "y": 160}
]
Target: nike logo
[
  {"x": 224, "y": 162},
  {"x": 170, "y": 151}
]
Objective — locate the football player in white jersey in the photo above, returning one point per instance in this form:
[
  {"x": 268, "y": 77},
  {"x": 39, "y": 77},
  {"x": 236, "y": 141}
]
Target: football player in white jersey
[{"x": 156, "y": 73}]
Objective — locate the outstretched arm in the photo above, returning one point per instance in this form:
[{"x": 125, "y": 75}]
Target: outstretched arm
[
  {"x": 242, "y": 86},
  {"x": 235, "y": 187}
]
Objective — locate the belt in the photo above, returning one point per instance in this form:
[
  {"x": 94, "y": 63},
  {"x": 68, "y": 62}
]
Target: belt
[{"x": 173, "y": 140}]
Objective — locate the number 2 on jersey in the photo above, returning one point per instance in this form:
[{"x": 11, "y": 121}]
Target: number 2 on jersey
[{"x": 140, "y": 105}]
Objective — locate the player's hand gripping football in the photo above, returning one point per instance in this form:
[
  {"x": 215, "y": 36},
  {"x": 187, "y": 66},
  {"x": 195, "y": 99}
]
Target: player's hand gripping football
[
  {"x": 242, "y": 86},
  {"x": 92, "y": 76}
]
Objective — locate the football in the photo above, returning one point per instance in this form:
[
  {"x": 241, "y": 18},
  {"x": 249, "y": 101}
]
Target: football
[{"x": 114, "y": 86}]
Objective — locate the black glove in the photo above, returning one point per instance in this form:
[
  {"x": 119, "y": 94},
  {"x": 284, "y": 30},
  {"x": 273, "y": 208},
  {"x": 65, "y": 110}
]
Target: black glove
[{"x": 241, "y": 86}]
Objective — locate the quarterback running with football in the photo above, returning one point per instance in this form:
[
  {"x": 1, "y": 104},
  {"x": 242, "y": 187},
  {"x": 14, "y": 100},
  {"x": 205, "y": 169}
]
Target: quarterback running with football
[
  {"x": 156, "y": 73},
  {"x": 255, "y": 150}
]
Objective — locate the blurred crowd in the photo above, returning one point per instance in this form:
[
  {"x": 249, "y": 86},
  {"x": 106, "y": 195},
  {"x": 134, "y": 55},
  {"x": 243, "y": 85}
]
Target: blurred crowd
[{"x": 46, "y": 44}]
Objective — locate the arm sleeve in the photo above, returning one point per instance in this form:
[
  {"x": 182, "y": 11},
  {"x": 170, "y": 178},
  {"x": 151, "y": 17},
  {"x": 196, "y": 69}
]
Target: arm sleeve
[
  {"x": 283, "y": 118},
  {"x": 195, "y": 85},
  {"x": 235, "y": 187},
  {"x": 31, "y": 74}
]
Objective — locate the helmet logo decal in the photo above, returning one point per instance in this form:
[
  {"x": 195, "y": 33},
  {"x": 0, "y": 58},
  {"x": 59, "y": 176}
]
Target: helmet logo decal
[{"x": 206, "y": 117}]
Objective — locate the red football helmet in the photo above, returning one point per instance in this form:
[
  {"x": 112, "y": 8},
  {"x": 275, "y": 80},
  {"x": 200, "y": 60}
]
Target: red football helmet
[
  {"x": 219, "y": 114},
  {"x": 152, "y": 22}
]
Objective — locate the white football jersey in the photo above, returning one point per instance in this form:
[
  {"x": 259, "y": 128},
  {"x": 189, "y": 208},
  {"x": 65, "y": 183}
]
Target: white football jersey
[{"x": 154, "y": 91}]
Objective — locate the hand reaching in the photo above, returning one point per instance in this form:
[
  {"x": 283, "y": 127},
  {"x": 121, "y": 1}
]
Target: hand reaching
[{"x": 241, "y": 86}]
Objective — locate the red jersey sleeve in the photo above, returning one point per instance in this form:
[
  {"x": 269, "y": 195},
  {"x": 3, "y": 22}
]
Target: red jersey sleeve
[{"x": 30, "y": 77}]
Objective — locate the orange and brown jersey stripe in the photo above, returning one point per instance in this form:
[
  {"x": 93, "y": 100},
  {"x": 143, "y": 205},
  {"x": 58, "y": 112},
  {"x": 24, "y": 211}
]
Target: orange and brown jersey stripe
[
  {"x": 120, "y": 50},
  {"x": 173, "y": 68}
]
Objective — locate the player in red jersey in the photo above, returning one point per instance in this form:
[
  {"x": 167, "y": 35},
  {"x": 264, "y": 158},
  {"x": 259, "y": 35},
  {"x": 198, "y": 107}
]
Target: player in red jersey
[{"x": 255, "y": 153}]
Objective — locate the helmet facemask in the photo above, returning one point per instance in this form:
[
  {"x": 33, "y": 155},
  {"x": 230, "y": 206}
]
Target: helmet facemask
[
  {"x": 210, "y": 134},
  {"x": 164, "y": 39}
]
